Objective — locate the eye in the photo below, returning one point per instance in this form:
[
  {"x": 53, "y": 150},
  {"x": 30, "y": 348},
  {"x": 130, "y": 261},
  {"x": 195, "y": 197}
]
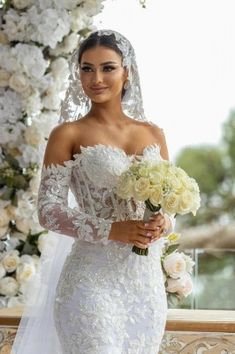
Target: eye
[
  {"x": 86, "y": 68},
  {"x": 108, "y": 68}
]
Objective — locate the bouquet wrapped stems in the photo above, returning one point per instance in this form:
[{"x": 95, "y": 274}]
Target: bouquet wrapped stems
[{"x": 149, "y": 211}]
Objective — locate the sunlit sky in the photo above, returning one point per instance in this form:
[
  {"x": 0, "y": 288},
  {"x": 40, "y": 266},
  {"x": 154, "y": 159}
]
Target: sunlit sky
[{"x": 185, "y": 51}]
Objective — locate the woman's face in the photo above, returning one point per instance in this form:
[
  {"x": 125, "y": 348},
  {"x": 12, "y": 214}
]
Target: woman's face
[{"x": 102, "y": 74}]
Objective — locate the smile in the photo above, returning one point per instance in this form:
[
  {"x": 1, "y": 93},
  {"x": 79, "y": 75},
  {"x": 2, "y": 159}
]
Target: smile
[{"x": 99, "y": 89}]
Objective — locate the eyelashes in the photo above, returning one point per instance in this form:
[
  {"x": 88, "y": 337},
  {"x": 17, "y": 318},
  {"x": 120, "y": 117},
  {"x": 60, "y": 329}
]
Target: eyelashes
[{"x": 106, "y": 68}]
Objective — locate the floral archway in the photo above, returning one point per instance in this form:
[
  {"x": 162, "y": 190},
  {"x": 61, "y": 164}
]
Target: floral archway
[{"x": 36, "y": 40}]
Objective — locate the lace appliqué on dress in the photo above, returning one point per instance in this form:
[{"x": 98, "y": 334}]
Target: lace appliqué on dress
[{"x": 54, "y": 213}]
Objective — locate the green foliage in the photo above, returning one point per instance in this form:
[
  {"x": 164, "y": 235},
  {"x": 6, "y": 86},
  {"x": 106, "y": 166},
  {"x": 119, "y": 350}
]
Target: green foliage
[
  {"x": 229, "y": 140},
  {"x": 205, "y": 164},
  {"x": 14, "y": 178},
  {"x": 213, "y": 167}
]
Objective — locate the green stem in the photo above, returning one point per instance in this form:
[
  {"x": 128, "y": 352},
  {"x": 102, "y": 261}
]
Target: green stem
[{"x": 140, "y": 251}]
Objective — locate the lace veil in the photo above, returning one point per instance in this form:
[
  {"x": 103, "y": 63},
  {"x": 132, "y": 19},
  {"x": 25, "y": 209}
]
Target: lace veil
[{"x": 36, "y": 333}]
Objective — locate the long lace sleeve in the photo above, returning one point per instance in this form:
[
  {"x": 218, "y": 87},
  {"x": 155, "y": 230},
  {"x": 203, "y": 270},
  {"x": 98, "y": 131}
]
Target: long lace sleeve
[{"x": 54, "y": 213}]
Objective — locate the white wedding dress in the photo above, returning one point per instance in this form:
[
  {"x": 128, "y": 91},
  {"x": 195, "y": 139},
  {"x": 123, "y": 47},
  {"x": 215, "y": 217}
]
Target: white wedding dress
[{"x": 109, "y": 300}]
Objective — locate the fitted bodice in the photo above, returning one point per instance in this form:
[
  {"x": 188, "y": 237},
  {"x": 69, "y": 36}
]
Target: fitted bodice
[{"x": 94, "y": 176}]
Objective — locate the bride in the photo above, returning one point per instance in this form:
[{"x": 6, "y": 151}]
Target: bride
[{"x": 99, "y": 296}]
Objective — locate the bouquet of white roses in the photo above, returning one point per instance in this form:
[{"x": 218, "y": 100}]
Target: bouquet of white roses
[
  {"x": 160, "y": 185},
  {"x": 177, "y": 268}
]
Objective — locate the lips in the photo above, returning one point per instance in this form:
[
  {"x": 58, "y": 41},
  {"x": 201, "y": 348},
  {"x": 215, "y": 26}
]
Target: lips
[{"x": 98, "y": 89}]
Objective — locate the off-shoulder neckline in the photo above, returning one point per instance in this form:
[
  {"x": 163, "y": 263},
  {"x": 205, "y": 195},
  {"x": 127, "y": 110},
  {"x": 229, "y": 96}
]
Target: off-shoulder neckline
[
  {"x": 78, "y": 155},
  {"x": 117, "y": 148}
]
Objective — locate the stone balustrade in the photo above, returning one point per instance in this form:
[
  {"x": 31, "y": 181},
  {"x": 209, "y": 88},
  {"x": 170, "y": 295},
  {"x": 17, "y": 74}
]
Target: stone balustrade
[{"x": 187, "y": 331}]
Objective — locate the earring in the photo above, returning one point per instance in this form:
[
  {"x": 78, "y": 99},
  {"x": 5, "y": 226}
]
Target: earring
[{"x": 126, "y": 84}]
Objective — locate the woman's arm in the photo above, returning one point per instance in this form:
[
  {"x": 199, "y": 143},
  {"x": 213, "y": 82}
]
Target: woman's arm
[{"x": 53, "y": 211}]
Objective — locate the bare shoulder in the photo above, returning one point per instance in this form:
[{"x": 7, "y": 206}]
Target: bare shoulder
[
  {"x": 159, "y": 135},
  {"x": 157, "y": 131},
  {"x": 60, "y": 143},
  {"x": 63, "y": 130}
]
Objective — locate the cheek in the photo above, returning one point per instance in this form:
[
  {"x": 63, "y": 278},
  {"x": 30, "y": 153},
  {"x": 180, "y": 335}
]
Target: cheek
[
  {"x": 84, "y": 79},
  {"x": 115, "y": 78}
]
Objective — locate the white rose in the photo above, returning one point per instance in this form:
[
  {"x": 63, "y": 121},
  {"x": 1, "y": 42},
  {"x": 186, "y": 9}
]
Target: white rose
[
  {"x": 59, "y": 66},
  {"x": 3, "y": 38},
  {"x": 186, "y": 202},
  {"x": 16, "y": 301},
  {"x": 11, "y": 260},
  {"x": 11, "y": 209},
  {"x": 156, "y": 176},
  {"x": 32, "y": 103},
  {"x": 170, "y": 203},
  {"x": 46, "y": 244},
  {"x": 23, "y": 225},
  {"x": 21, "y": 4},
  {"x": 142, "y": 189},
  {"x": 79, "y": 20},
  {"x": 68, "y": 45},
  {"x": 5, "y": 217},
  {"x": 2, "y": 271},
  {"x": 25, "y": 272},
  {"x": 156, "y": 195},
  {"x": 30, "y": 154},
  {"x": 180, "y": 173},
  {"x": 175, "y": 183},
  {"x": 4, "y": 78},
  {"x": 189, "y": 262},
  {"x": 174, "y": 265},
  {"x": 92, "y": 7},
  {"x": 125, "y": 186},
  {"x": 183, "y": 286},
  {"x": 196, "y": 203},
  {"x": 19, "y": 82},
  {"x": 8, "y": 286},
  {"x": 3, "y": 230},
  {"x": 144, "y": 171},
  {"x": 51, "y": 100},
  {"x": 26, "y": 258},
  {"x": 32, "y": 135},
  {"x": 70, "y": 42},
  {"x": 60, "y": 72}
]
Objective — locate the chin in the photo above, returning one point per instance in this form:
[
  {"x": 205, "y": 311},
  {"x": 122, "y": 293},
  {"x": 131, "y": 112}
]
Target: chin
[{"x": 100, "y": 98}]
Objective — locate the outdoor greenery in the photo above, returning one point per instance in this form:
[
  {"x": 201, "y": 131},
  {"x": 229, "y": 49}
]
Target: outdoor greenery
[{"x": 214, "y": 169}]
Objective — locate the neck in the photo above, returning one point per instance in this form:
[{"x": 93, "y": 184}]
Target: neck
[{"x": 108, "y": 113}]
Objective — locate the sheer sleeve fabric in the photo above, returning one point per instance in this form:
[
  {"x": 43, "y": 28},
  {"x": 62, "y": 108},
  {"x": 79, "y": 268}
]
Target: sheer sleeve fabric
[{"x": 56, "y": 215}]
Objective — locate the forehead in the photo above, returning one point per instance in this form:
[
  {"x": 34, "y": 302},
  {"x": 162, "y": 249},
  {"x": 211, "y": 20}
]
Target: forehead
[{"x": 100, "y": 54}]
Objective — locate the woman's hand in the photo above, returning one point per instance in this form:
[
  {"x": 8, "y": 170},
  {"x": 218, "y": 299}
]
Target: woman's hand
[
  {"x": 161, "y": 222},
  {"x": 138, "y": 232}
]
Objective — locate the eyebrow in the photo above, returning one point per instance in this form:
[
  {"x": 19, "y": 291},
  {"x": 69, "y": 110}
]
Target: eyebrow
[{"x": 105, "y": 63}]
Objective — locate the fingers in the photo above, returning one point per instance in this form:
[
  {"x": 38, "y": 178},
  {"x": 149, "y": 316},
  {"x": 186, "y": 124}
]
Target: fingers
[
  {"x": 140, "y": 245},
  {"x": 150, "y": 233},
  {"x": 152, "y": 224}
]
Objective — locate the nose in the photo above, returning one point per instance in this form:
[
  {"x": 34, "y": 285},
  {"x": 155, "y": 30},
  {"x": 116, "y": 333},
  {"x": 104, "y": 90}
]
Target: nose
[{"x": 97, "y": 77}]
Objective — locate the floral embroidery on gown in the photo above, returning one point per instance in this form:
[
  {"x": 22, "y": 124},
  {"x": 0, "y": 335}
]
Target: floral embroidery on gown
[{"x": 108, "y": 299}]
